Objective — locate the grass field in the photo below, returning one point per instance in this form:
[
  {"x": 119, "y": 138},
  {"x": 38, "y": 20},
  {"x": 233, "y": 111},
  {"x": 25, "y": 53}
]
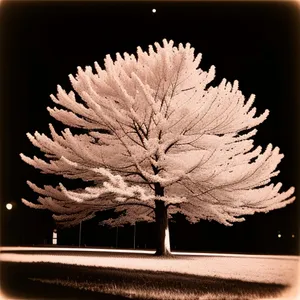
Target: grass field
[{"x": 140, "y": 276}]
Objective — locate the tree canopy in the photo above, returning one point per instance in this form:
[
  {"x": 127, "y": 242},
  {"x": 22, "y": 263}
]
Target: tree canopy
[{"x": 154, "y": 131}]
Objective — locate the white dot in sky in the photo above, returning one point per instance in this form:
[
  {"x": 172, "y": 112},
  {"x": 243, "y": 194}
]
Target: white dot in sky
[
  {"x": 9, "y": 206},
  {"x": 154, "y": 10},
  {"x": 279, "y": 235}
]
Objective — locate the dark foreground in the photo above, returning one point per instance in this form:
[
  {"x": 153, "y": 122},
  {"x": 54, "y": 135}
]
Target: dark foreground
[{"x": 19, "y": 281}]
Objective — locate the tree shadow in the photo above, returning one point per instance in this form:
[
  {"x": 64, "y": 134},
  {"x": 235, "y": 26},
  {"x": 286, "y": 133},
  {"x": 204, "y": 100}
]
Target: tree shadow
[{"x": 15, "y": 282}]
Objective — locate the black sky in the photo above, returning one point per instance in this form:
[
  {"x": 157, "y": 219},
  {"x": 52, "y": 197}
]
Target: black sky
[{"x": 42, "y": 42}]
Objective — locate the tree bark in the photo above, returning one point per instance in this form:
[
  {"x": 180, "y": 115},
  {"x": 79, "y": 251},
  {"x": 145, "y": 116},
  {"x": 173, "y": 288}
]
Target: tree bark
[{"x": 161, "y": 218}]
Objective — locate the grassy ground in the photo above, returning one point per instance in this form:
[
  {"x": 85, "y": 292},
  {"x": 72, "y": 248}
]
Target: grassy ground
[
  {"x": 281, "y": 270},
  {"x": 61, "y": 281}
]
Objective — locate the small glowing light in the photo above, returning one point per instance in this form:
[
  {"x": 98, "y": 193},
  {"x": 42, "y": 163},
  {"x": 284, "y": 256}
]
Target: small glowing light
[
  {"x": 54, "y": 237},
  {"x": 154, "y": 10},
  {"x": 9, "y": 206},
  {"x": 293, "y": 235},
  {"x": 279, "y": 235}
]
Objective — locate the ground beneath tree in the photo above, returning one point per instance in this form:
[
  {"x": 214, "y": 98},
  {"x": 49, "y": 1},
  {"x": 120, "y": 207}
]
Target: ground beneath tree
[{"x": 121, "y": 274}]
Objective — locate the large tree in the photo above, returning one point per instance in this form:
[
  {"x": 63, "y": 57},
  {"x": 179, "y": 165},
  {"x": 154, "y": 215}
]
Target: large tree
[{"x": 155, "y": 142}]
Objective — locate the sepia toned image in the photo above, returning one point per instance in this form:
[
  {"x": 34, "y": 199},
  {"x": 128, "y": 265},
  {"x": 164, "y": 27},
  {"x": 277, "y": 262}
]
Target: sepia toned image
[{"x": 149, "y": 150}]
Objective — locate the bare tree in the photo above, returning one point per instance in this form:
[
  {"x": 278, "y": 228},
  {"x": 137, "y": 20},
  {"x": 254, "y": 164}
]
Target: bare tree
[{"x": 156, "y": 142}]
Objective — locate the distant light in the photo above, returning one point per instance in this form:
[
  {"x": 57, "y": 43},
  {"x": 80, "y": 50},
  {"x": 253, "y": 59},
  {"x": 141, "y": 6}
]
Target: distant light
[
  {"x": 54, "y": 237},
  {"x": 154, "y": 10},
  {"x": 279, "y": 235},
  {"x": 9, "y": 206},
  {"x": 293, "y": 235}
]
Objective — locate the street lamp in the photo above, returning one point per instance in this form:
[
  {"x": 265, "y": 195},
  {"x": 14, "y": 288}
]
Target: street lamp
[
  {"x": 9, "y": 206},
  {"x": 134, "y": 234},
  {"x": 117, "y": 236},
  {"x": 79, "y": 242}
]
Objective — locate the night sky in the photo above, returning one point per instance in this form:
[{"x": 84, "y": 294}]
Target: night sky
[{"x": 43, "y": 42}]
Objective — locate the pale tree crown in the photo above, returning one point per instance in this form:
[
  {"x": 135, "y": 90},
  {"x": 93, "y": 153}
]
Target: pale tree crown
[{"x": 151, "y": 120}]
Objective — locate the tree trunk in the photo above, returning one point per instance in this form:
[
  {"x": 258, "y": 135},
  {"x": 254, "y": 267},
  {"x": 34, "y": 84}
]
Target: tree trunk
[
  {"x": 161, "y": 218},
  {"x": 163, "y": 236}
]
